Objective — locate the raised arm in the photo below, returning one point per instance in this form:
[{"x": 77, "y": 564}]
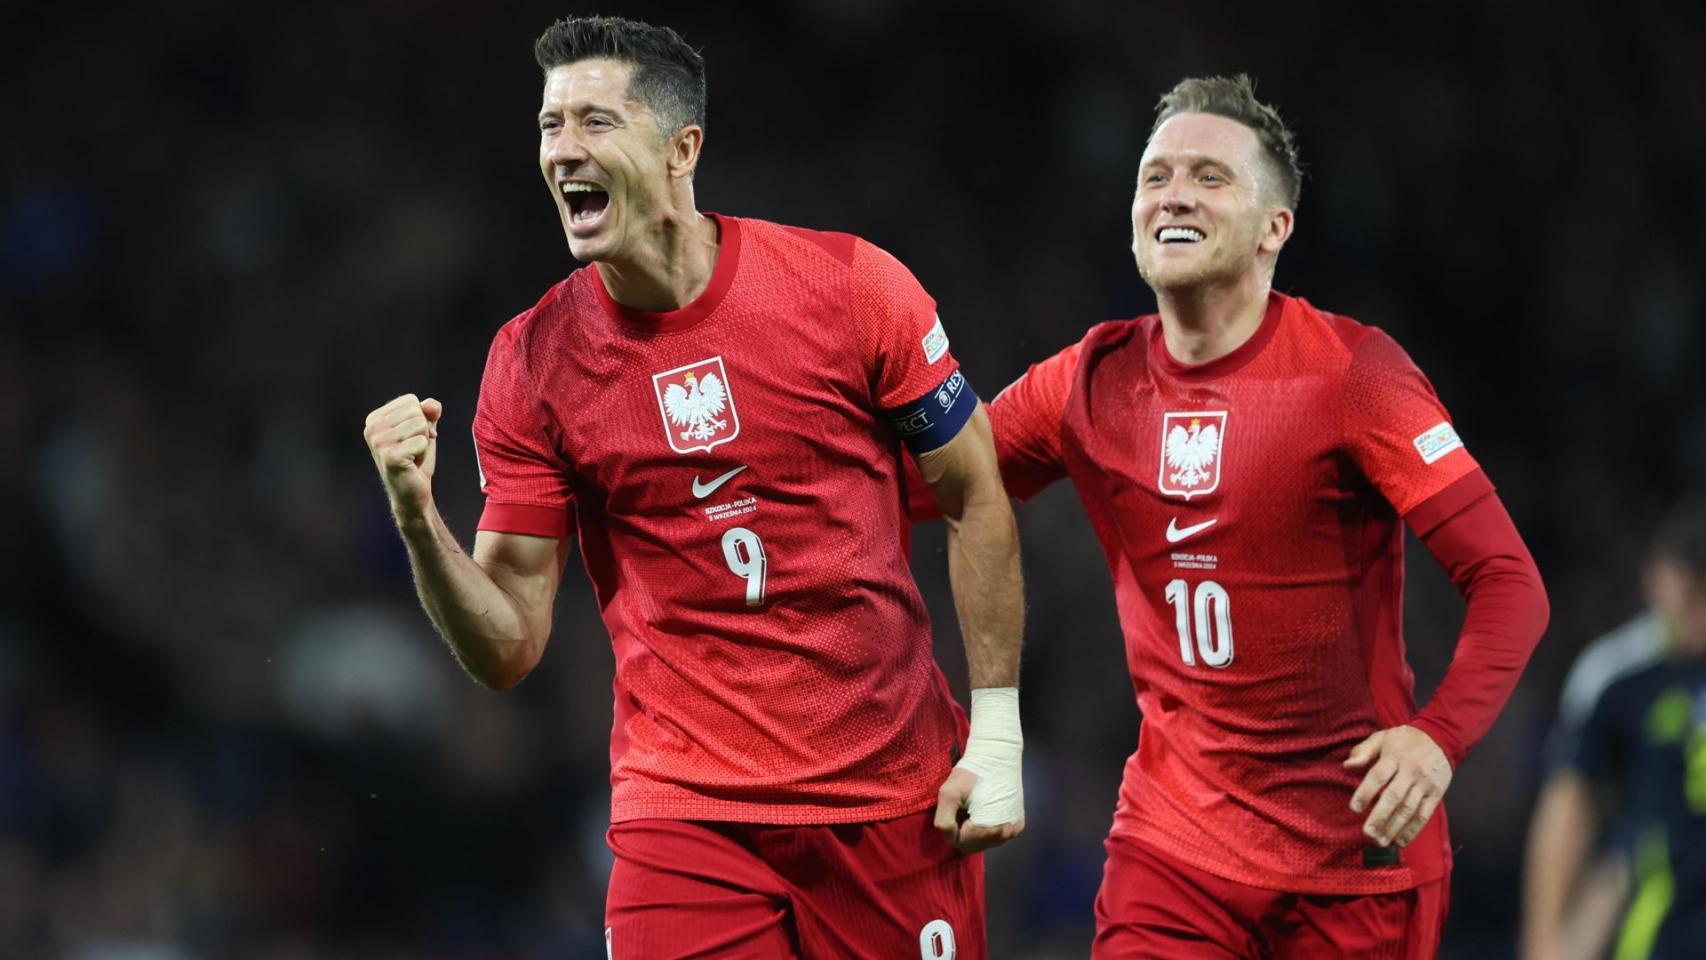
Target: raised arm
[
  {"x": 494, "y": 608},
  {"x": 983, "y": 569}
]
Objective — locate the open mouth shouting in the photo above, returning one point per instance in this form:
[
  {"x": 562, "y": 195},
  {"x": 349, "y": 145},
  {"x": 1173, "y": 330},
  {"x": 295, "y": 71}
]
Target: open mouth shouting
[{"x": 587, "y": 202}]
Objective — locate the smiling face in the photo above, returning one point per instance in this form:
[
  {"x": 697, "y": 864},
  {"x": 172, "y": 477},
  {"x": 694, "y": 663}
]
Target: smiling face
[
  {"x": 608, "y": 166},
  {"x": 1205, "y": 210}
]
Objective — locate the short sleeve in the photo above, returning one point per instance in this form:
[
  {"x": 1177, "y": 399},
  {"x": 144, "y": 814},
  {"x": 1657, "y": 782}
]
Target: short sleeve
[
  {"x": 907, "y": 344},
  {"x": 524, "y": 480},
  {"x": 1027, "y": 418},
  {"x": 1599, "y": 744},
  {"x": 1395, "y": 427}
]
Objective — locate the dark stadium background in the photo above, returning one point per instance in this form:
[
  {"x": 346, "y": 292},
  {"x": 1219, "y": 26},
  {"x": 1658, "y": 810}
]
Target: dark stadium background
[{"x": 228, "y": 231}]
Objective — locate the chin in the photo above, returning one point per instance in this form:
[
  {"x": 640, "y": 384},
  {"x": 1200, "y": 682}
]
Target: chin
[{"x": 589, "y": 249}]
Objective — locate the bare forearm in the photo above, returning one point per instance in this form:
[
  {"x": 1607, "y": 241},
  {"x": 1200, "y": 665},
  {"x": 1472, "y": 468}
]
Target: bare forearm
[
  {"x": 1558, "y": 843},
  {"x": 482, "y": 623},
  {"x": 983, "y": 568}
]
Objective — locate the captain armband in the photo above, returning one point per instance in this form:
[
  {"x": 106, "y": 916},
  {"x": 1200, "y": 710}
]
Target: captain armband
[{"x": 935, "y": 418}]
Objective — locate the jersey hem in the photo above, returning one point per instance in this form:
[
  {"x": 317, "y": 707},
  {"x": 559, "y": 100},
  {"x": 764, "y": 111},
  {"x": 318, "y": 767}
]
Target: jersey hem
[
  {"x": 731, "y": 811},
  {"x": 1164, "y": 842}
]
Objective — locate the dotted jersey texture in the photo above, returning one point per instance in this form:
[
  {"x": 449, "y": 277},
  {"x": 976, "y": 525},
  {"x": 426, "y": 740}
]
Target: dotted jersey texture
[
  {"x": 821, "y": 702},
  {"x": 1238, "y": 770}
]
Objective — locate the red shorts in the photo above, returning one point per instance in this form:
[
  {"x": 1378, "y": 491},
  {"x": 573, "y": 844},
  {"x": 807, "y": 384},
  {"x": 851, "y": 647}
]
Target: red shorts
[
  {"x": 892, "y": 889},
  {"x": 1151, "y": 905}
]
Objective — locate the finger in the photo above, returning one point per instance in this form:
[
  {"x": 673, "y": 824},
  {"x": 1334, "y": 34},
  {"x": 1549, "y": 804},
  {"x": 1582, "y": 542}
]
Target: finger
[
  {"x": 414, "y": 426},
  {"x": 1388, "y": 801},
  {"x": 432, "y": 409},
  {"x": 1430, "y": 802},
  {"x": 402, "y": 410},
  {"x": 976, "y": 839},
  {"x": 948, "y": 815},
  {"x": 429, "y": 463},
  {"x": 384, "y": 410},
  {"x": 1372, "y": 783},
  {"x": 1366, "y": 751},
  {"x": 1408, "y": 804},
  {"x": 406, "y": 453}
]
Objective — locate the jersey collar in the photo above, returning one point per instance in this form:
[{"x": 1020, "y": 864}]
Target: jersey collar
[{"x": 1221, "y": 366}]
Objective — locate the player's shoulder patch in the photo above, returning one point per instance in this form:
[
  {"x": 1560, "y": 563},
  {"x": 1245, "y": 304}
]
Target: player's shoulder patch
[
  {"x": 837, "y": 245},
  {"x": 935, "y": 343},
  {"x": 1437, "y": 441}
]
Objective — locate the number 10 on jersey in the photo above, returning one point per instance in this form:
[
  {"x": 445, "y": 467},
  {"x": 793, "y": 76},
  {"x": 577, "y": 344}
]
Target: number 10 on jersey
[{"x": 1210, "y": 609}]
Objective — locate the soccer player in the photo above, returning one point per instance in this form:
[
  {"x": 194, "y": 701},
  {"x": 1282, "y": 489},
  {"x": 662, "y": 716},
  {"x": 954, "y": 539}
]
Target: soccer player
[
  {"x": 1246, "y": 459},
  {"x": 1629, "y": 760},
  {"x": 716, "y": 406}
]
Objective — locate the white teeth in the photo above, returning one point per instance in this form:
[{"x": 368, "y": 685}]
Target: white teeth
[
  {"x": 1186, "y": 234},
  {"x": 573, "y": 187}
]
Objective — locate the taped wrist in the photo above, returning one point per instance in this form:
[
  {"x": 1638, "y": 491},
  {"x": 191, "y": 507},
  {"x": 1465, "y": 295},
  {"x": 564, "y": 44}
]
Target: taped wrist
[{"x": 994, "y": 751}]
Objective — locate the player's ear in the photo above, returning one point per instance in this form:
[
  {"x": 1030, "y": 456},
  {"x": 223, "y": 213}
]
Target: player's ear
[
  {"x": 1277, "y": 230},
  {"x": 684, "y": 150}
]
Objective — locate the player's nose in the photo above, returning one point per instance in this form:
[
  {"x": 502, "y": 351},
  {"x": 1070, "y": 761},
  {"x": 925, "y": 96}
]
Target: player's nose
[
  {"x": 1177, "y": 198},
  {"x": 566, "y": 151}
]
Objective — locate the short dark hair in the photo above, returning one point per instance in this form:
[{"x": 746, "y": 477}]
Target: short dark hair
[
  {"x": 1235, "y": 99},
  {"x": 669, "y": 75},
  {"x": 1681, "y": 537}
]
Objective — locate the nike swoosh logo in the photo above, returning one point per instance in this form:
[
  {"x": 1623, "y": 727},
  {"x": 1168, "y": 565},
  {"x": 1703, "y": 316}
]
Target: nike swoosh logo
[
  {"x": 1175, "y": 533},
  {"x": 703, "y": 490}
]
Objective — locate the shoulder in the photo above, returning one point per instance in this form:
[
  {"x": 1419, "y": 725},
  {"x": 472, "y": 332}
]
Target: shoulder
[
  {"x": 1116, "y": 334},
  {"x": 539, "y": 329},
  {"x": 1634, "y": 689},
  {"x": 789, "y": 241},
  {"x": 1362, "y": 343},
  {"x": 1125, "y": 341},
  {"x": 1614, "y": 655}
]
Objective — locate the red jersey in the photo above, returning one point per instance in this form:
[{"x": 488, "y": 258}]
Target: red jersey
[
  {"x": 1249, "y": 511},
  {"x": 734, "y": 484}
]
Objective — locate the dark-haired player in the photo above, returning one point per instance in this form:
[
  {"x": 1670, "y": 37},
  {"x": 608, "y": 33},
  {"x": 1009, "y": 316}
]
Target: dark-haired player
[
  {"x": 1637, "y": 763},
  {"x": 1246, "y": 459},
  {"x": 717, "y": 405}
]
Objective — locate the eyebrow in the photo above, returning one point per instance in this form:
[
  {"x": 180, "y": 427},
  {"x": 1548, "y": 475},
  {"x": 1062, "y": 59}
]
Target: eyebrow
[
  {"x": 579, "y": 109},
  {"x": 1186, "y": 160}
]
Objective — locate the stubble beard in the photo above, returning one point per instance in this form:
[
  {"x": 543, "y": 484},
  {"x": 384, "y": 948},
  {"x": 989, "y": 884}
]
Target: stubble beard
[{"x": 1177, "y": 282}]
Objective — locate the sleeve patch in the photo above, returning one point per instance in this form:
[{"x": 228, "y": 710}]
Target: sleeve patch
[
  {"x": 1436, "y": 442},
  {"x": 935, "y": 418},
  {"x": 935, "y": 342}
]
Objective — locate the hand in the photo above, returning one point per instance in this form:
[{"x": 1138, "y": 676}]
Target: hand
[
  {"x": 1407, "y": 777},
  {"x": 403, "y": 438},
  {"x": 957, "y": 828}
]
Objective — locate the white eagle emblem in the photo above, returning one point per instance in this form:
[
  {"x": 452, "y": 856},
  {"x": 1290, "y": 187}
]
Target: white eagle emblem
[
  {"x": 698, "y": 411},
  {"x": 1190, "y": 452}
]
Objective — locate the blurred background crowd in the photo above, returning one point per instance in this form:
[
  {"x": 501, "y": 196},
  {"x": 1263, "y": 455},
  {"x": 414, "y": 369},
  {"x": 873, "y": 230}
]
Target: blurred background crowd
[{"x": 228, "y": 231}]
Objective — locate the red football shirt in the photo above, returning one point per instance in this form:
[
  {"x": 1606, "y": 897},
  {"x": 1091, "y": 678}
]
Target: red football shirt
[
  {"x": 1249, "y": 510},
  {"x": 734, "y": 484}
]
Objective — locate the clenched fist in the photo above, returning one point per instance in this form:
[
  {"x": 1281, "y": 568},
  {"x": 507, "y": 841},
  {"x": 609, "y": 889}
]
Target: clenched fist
[{"x": 403, "y": 438}]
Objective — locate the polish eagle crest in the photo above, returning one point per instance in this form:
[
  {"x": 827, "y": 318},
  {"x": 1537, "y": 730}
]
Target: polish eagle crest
[
  {"x": 1190, "y": 452},
  {"x": 698, "y": 412}
]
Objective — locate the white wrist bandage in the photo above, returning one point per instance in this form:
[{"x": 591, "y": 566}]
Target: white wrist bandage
[{"x": 993, "y": 752}]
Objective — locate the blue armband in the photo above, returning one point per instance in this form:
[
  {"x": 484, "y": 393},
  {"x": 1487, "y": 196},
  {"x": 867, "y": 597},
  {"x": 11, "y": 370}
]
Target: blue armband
[{"x": 935, "y": 418}]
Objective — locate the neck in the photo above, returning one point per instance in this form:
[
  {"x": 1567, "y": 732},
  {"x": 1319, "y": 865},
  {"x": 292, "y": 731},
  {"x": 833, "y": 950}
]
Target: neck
[
  {"x": 670, "y": 268},
  {"x": 1209, "y": 321}
]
